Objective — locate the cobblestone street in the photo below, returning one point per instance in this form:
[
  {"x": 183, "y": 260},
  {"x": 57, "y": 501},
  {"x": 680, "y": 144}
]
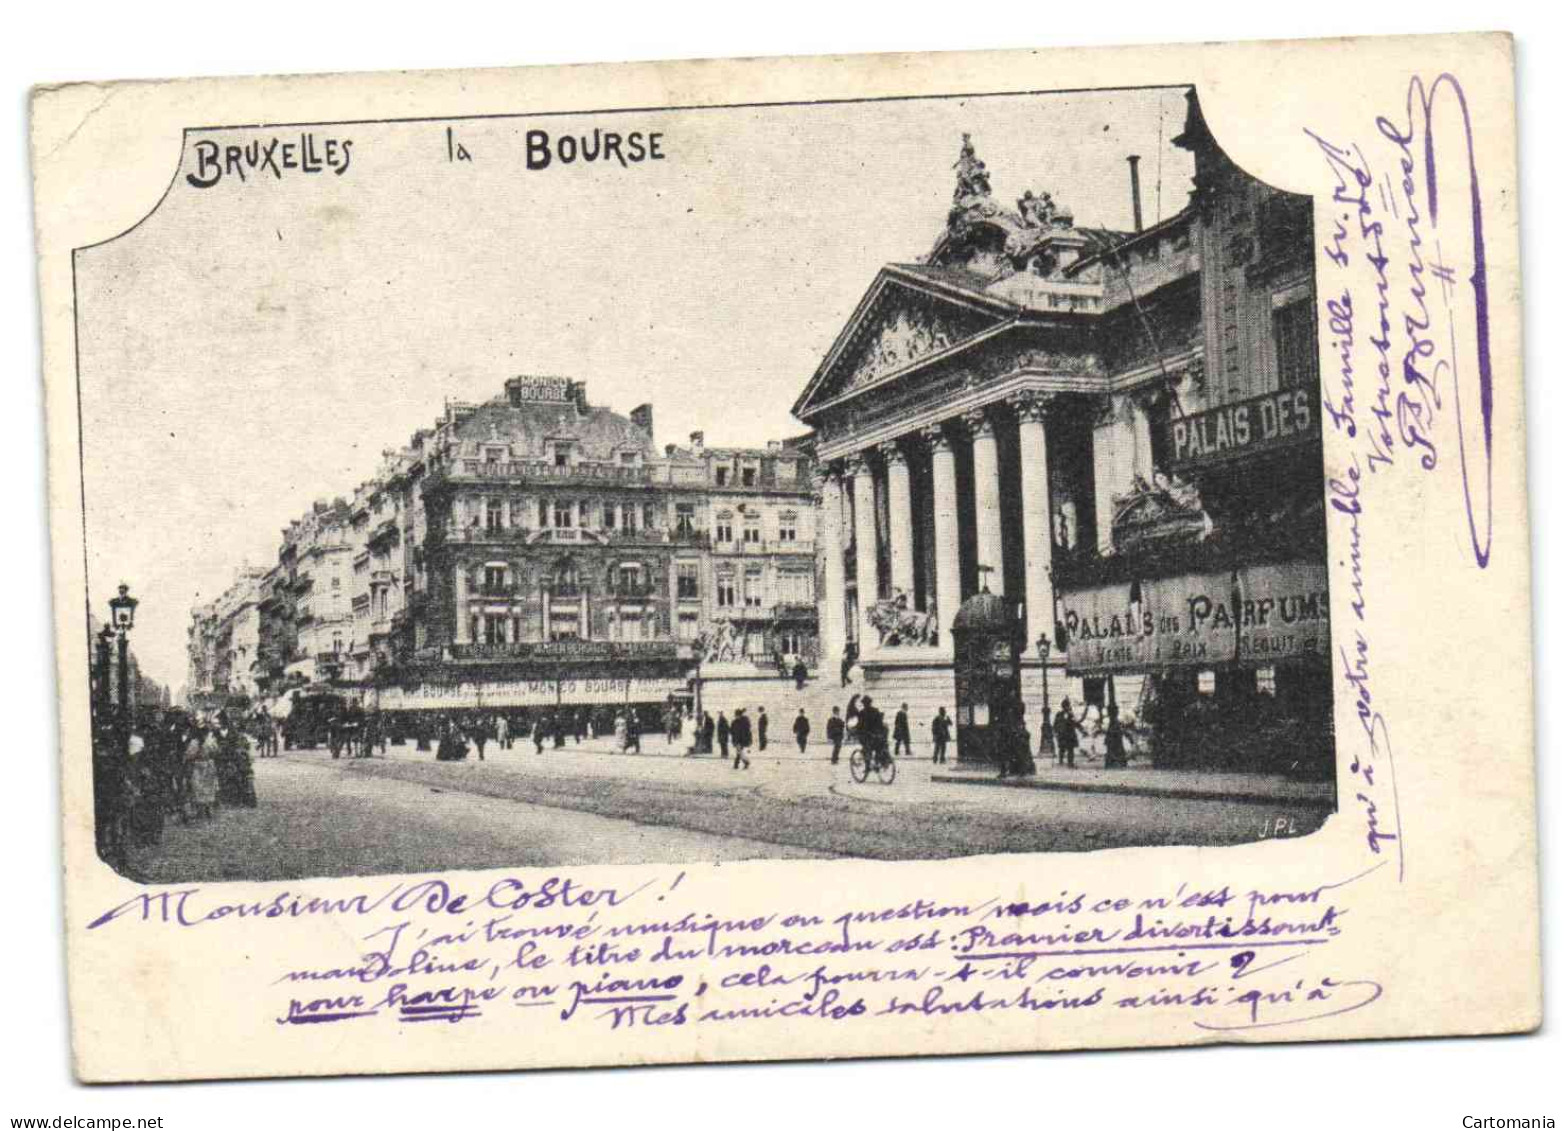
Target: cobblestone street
[{"x": 584, "y": 804}]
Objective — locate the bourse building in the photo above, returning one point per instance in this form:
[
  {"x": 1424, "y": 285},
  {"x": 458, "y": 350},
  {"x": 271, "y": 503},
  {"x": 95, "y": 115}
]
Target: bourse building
[{"x": 1121, "y": 432}]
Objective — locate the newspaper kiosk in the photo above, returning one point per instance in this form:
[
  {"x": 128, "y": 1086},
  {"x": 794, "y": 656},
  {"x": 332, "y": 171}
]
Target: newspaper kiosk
[{"x": 987, "y": 665}]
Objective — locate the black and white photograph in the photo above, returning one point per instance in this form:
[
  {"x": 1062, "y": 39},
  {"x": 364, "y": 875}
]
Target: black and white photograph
[
  {"x": 950, "y": 554},
  {"x": 527, "y": 490}
]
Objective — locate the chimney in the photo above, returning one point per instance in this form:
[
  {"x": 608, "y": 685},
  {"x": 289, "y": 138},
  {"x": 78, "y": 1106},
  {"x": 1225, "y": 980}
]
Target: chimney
[
  {"x": 1136, "y": 192},
  {"x": 698, "y": 440},
  {"x": 641, "y": 416},
  {"x": 669, "y": 450}
]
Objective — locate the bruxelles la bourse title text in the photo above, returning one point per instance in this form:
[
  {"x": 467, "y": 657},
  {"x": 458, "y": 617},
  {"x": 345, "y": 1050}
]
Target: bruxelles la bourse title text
[{"x": 309, "y": 153}]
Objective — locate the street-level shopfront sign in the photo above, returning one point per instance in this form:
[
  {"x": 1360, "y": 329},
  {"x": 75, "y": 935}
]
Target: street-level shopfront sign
[
  {"x": 1258, "y": 614},
  {"x": 568, "y": 651},
  {"x": 573, "y": 691},
  {"x": 1260, "y": 424}
]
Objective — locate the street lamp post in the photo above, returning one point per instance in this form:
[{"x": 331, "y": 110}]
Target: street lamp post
[
  {"x": 1047, "y": 742},
  {"x": 112, "y": 764}
]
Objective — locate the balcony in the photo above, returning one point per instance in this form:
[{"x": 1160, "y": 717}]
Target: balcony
[
  {"x": 639, "y": 592},
  {"x": 384, "y": 534},
  {"x": 765, "y": 546},
  {"x": 794, "y": 610}
]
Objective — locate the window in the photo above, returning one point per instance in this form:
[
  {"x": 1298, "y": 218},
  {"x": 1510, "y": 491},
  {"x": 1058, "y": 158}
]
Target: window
[
  {"x": 685, "y": 518},
  {"x": 611, "y": 512},
  {"x": 494, "y": 455},
  {"x": 796, "y": 588},
  {"x": 687, "y": 627},
  {"x": 493, "y": 629},
  {"x": 721, "y": 476},
  {"x": 563, "y": 514},
  {"x": 543, "y": 513},
  {"x": 723, "y": 531},
  {"x": 748, "y": 476},
  {"x": 627, "y": 459},
  {"x": 494, "y": 579},
  {"x": 788, "y": 524},
  {"x": 686, "y": 579},
  {"x": 494, "y": 516},
  {"x": 649, "y": 516},
  {"x": 629, "y": 578},
  {"x": 753, "y": 529},
  {"x": 1295, "y": 341},
  {"x": 753, "y": 587},
  {"x": 726, "y": 590}
]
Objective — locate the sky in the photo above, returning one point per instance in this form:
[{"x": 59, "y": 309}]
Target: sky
[{"x": 255, "y": 345}]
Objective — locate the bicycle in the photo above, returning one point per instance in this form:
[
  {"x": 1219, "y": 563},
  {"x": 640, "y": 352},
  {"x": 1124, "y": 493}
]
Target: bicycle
[{"x": 859, "y": 766}]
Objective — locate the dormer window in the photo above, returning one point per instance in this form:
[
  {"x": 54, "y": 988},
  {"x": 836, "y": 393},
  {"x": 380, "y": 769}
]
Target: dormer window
[
  {"x": 562, "y": 458},
  {"x": 721, "y": 476}
]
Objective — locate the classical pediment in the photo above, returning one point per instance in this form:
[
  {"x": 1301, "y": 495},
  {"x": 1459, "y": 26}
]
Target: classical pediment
[{"x": 908, "y": 318}]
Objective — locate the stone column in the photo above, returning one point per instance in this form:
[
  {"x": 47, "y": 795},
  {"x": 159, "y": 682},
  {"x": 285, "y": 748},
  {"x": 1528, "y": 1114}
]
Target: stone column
[
  {"x": 1037, "y": 538},
  {"x": 829, "y": 493},
  {"x": 857, "y": 468},
  {"x": 986, "y": 499},
  {"x": 899, "y": 505},
  {"x": 460, "y": 589},
  {"x": 948, "y": 559}
]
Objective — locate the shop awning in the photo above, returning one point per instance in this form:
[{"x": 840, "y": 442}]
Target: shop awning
[{"x": 1258, "y": 614}]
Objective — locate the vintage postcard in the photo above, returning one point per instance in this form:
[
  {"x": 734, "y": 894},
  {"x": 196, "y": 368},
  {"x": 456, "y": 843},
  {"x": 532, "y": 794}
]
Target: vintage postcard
[{"x": 873, "y": 556}]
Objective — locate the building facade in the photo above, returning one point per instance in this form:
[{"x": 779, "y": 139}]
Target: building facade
[{"x": 1116, "y": 430}]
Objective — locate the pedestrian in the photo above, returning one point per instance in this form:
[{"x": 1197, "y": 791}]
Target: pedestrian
[
  {"x": 725, "y": 732},
  {"x": 1066, "y": 730},
  {"x": 708, "y": 729},
  {"x": 453, "y": 747},
  {"x": 540, "y": 732},
  {"x": 800, "y": 673},
  {"x": 941, "y": 733},
  {"x": 740, "y": 733},
  {"x": 801, "y": 730},
  {"x": 199, "y": 753},
  {"x": 503, "y": 732},
  {"x": 761, "y": 728},
  {"x": 480, "y": 734},
  {"x": 633, "y": 731},
  {"x": 850, "y": 656},
  {"x": 902, "y": 738},
  {"x": 579, "y": 731},
  {"x": 558, "y": 726},
  {"x": 836, "y": 730}
]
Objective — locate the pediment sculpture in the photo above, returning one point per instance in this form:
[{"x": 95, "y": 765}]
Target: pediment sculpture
[{"x": 901, "y": 338}]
